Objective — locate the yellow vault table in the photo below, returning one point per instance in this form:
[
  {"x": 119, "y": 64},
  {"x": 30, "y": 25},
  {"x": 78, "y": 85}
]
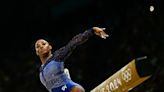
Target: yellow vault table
[{"x": 128, "y": 77}]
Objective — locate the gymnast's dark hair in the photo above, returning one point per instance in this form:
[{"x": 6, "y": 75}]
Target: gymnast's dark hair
[{"x": 48, "y": 39}]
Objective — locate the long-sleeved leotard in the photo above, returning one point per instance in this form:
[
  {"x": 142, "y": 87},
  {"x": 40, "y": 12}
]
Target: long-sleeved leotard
[{"x": 52, "y": 73}]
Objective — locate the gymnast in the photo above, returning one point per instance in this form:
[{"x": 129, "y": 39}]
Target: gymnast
[{"x": 52, "y": 74}]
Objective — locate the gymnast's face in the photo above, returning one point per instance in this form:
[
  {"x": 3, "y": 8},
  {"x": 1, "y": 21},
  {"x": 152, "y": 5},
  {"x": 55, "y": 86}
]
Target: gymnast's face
[{"x": 42, "y": 47}]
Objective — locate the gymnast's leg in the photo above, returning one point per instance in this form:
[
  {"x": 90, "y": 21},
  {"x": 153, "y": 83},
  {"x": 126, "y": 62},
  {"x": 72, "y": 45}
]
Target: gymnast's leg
[{"x": 77, "y": 89}]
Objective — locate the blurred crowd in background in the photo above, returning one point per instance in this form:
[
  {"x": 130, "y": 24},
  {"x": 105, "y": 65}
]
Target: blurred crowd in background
[{"x": 133, "y": 29}]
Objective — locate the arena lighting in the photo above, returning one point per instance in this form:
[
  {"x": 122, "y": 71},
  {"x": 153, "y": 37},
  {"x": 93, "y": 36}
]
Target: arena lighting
[
  {"x": 128, "y": 77},
  {"x": 151, "y": 8}
]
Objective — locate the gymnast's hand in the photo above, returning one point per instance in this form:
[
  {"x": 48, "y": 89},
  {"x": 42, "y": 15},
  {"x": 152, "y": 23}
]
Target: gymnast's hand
[{"x": 100, "y": 32}]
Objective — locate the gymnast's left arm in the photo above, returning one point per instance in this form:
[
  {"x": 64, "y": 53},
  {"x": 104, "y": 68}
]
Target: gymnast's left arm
[{"x": 65, "y": 51}]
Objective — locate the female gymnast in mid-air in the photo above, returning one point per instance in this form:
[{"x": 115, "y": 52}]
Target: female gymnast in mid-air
[{"x": 52, "y": 74}]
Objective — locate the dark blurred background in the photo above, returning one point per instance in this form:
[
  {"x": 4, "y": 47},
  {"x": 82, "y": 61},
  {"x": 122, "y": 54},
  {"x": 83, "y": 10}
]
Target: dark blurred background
[{"x": 134, "y": 31}]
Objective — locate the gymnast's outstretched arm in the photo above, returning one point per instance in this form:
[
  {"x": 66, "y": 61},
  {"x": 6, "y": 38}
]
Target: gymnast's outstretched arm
[{"x": 62, "y": 53}]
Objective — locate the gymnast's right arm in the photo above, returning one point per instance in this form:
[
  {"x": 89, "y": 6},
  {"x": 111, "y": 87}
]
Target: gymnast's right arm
[{"x": 64, "y": 52}]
